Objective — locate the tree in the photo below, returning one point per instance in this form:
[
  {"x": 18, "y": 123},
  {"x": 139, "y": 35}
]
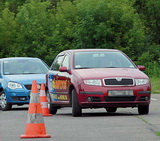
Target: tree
[
  {"x": 8, "y": 32},
  {"x": 100, "y": 24},
  {"x": 150, "y": 14},
  {"x": 43, "y": 28},
  {"x": 11, "y": 4},
  {"x": 35, "y": 30}
]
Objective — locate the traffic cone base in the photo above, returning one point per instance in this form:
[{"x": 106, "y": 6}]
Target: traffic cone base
[
  {"x": 39, "y": 136},
  {"x": 35, "y": 131},
  {"x": 45, "y": 110},
  {"x": 47, "y": 115},
  {"x": 33, "y": 136}
]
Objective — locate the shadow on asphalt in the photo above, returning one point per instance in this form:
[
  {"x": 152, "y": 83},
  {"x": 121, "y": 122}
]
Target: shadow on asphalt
[
  {"x": 99, "y": 114},
  {"x": 106, "y": 114},
  {"x": 17, "y": 109},
  {"x": 84, "y": 114}
]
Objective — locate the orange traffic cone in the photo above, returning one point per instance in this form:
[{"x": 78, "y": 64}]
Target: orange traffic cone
[
  {"x": 43, "y": 101},
  {"x": 35, "y": 127}
]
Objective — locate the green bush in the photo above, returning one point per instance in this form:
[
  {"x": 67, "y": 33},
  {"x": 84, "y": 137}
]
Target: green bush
[{"x": 43, "y": 28}]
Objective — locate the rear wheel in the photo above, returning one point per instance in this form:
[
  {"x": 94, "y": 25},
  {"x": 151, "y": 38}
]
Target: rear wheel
[
  {"x": 76, "y": 109},
  {"x": 111, "y": 109},
  {"x": 143, "y": 110},
  {"x": 5, "y": 106}
]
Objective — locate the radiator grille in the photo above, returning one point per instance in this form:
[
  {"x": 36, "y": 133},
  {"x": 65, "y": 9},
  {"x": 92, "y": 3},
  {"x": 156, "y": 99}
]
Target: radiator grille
[
  {"x": 29, "y": 86},
  {"x": 118, "y": 82}
]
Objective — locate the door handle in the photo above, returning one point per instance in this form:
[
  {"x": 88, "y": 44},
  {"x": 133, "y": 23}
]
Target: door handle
[{"x": 57, "y": 76}]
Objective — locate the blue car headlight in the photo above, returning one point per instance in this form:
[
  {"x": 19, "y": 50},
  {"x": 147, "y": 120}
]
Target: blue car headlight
[{"x": 13, "y": 85}]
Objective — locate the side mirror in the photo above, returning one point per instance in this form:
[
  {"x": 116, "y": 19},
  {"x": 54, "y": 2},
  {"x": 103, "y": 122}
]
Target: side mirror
[
  {"x": 63, "y": 69},
  {"x": 142, "y": 68}
]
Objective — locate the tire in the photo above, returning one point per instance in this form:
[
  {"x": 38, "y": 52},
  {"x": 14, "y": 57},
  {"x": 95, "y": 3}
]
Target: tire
[
  {"x": 76, "y": 109},
  {"x": 143, "y": 110},
  {"x": 5, "y": 106},
  {"x": 111, "y": 109},
  {"x": 52, "y": 108}
]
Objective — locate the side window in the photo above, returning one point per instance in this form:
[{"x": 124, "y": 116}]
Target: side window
[
  {"x": 66, "y": 61},
  {"x": 0, "y": 69},
  {"x": 57, "y": 63}
]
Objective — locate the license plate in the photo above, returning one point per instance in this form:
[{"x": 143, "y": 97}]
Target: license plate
[{"x": 120, "y": 93}]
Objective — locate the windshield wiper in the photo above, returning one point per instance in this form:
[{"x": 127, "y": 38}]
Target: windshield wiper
[
  {"x": 9, "y": 74},
  {"x": 30, "y": 73},
  {"x": 111, "y": 67},
  {"x": 83, "y": 68}
]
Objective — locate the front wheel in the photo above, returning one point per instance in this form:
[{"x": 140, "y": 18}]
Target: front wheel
[
  {"x": 143, "y": 110},
  {"x": 52, "y": 108},
  {"x": 76, "y": 109},
  {"x": 5, "y": 106}
]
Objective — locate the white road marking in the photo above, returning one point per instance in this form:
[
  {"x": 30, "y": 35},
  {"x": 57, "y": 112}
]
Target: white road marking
[{"x": 153, "y": 99}]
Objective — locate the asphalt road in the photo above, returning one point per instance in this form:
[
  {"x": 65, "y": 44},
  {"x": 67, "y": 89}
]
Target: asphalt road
[{"x": 94, "y": 125}]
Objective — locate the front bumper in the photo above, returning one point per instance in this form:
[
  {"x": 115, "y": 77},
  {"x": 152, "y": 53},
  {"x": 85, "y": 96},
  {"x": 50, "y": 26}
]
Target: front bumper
[
  {"x": 96, "y": 97},
  {"x": 18, "y": 96}
]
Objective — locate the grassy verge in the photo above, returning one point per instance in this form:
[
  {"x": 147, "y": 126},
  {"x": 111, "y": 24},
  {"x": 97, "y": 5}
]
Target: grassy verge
[
  {"x": 157, "y": 133},
  {"x": 155, "y": 85}
]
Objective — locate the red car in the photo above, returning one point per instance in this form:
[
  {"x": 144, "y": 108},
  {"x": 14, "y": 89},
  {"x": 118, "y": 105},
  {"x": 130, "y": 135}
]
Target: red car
[{"x": 97, "y": 78}]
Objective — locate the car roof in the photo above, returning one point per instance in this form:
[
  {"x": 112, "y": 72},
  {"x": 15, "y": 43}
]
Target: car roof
[
  {"x": 17, "y": 58},
  {"x": 90, "y": 50}
]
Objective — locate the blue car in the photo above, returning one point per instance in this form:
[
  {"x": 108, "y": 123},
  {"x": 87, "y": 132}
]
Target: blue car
[{"x": 16, "y": 76}]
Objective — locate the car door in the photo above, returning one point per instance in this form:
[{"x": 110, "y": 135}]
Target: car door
[
  {"x": 58, "y": 81},
  {"x": 63, "y": 80}
]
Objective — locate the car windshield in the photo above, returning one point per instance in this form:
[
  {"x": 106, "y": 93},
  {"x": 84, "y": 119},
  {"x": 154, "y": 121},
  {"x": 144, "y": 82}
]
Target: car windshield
[
  {"x": 24, "y": 66},
  {"x": 85, "y": 60}
]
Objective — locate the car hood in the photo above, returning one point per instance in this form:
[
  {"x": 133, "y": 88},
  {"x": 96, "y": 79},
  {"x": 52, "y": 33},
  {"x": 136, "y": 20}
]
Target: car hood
[
  {"x": 101, "y": 73},
  {"x": 26, "y": 79}
]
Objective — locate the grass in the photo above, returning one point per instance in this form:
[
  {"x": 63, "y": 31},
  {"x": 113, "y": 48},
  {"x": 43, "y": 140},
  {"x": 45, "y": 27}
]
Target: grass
[
  {"x": 157, "y": 133},
  {"x": 155, "y": 85},
  {"x": 142, "y": 118}
]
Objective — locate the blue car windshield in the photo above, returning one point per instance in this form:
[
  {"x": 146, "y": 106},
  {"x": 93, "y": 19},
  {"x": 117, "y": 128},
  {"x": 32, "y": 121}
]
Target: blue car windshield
[
  {"x": 24, "y": 66},
  {"x": 108, "y": 59}
]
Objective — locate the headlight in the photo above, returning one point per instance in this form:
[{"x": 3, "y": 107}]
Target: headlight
[
  {"x": 95, "y": 82},
  {"x": 13, "y": 85},
  {"x": 141, "y": 81}
]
